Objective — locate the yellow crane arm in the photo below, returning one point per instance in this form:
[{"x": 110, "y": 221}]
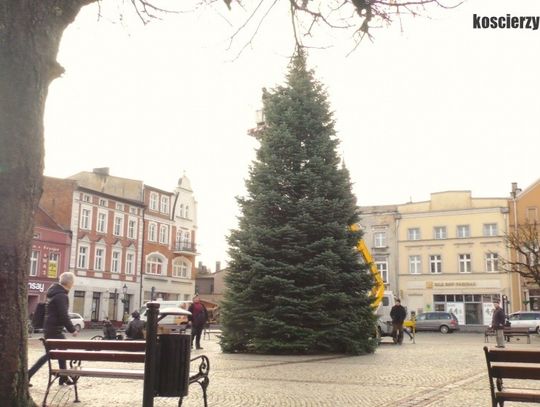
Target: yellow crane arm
[{"x": 378, "y": 289}]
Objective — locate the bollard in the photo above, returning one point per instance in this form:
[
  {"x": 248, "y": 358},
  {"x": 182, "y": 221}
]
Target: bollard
[{"x": 150, "y": 354}]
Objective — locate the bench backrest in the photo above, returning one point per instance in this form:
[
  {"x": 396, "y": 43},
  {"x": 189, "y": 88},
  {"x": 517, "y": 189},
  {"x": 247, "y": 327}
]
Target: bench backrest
[
  {"x": 105, "y": 351},
  {"x": 513, "y": 364}
]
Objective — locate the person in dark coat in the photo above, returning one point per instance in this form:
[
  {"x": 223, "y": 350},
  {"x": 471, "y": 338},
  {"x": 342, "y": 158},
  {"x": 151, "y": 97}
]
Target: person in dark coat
[
  {"x": 497, "y": 323},
  {"x": 398, "y": 314},
  {"x": 198, "y": 318},
  {"x": 109, "y": 331},
  {"x": 56, "y": 319},
  {"x": 135, "y": 327}
]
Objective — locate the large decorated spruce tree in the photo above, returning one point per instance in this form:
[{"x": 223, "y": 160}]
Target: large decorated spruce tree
[{"x": 295, "y": 283}]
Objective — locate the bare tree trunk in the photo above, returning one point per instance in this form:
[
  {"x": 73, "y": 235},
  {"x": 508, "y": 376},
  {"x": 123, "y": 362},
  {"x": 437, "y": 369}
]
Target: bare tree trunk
[{"x": 30, "y": 33}]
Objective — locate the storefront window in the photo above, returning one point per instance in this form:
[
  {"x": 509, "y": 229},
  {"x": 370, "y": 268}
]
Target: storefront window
[{"x": 78, "y": 302}]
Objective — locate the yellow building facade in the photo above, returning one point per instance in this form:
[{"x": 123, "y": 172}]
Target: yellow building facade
[{"x": 449, "y": 251}]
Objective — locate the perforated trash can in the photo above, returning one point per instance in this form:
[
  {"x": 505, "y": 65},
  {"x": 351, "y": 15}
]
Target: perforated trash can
[{"x": 172, "y": 371}]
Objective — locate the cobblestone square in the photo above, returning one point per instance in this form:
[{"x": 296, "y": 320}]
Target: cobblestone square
[{"x": 438, "y": 370}]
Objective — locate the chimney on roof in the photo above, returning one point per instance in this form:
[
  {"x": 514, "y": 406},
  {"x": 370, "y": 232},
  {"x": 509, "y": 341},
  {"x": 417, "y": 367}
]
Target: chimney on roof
[
  {"x": 101, "y": 171},
  {"x": 218, "y": 266}
]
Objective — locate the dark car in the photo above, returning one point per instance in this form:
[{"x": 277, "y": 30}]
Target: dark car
[{"x": 442, "y": 321}]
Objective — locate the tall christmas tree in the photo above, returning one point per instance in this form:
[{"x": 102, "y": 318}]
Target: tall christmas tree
[{"x": 295, "y": 283}]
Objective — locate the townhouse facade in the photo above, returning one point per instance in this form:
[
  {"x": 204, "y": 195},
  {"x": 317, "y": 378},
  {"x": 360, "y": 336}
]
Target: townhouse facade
[
  {"x": 48, "y": 259},
  {"x": 126, "y": 244},
  {"x": 106, "y": 245},
  {"x": 449, "y": 250},
  {"x": 380, "y": 235},
  {"x": 524, "y": 207},
  {"x": 169, "y": 246}
]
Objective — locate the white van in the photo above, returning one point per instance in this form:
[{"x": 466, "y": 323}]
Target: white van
[{"x": 170, "y": 319}]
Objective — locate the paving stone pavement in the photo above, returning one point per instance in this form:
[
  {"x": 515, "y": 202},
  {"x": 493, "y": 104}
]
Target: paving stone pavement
[{"x": 436, "y": 371}]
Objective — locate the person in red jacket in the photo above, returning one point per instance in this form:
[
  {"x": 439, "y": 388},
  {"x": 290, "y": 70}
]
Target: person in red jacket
[{"x": 198, "y": 318}]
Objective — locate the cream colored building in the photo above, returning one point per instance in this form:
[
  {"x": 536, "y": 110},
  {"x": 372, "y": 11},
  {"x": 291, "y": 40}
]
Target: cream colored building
[{"x": 449, "y": 251}]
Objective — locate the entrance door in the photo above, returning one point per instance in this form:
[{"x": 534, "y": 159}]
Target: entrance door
[
  {"x": 473, "y": 313},
  {"x": 96, "y": 297}
]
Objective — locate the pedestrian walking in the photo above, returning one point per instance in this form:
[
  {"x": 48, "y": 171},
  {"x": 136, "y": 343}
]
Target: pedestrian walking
[
  {"x": 497, "y": 323},
  {"x": 198, "y": 318},
  {"x": 135, "y": 327},
  {"x": 398, "y": 314},
  {"x": 56, "y": 319}
]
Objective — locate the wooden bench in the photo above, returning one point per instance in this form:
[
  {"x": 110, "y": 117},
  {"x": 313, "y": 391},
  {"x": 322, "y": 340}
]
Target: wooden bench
[
  {"x": 74, "y": 352},
  {"x": 508, "y": 333},
  {"x": 515, "y": 365}
]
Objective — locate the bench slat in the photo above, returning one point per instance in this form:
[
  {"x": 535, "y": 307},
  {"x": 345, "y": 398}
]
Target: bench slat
[
  {"x": 514, "y": 356},
  {"x": 107, "y": 373},
  {"x": 126, "y": 346},
  {"x": 524, "y": 395},
  {"x": 101, "y": 356},
  {"x": 516, "y": 372}
]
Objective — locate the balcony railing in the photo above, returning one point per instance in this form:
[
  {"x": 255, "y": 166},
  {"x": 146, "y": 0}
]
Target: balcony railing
[{"x": 185, "y": 247}]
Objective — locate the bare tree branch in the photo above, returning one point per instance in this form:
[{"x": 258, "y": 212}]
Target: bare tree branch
[{"x": 524, "y": 244}]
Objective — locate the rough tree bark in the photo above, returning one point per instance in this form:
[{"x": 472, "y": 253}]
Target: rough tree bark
[{"x": 30, "y": 33}]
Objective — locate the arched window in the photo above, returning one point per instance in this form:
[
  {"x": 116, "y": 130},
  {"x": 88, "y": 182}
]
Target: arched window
[
  {"x": 181, "y": 268},
  {"x": 181, "y": 210},
  {"x": 187, "y": 212},
  {"x": 154, "y": 265}
]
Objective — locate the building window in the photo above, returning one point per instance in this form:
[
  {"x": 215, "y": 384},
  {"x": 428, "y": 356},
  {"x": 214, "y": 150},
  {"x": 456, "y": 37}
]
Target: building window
[
  {"x": 465, "y": 263},
  {"x": 187, "y": 212},
  {"x": 490, "y": 229},
  {"x": 439, "y": 232},
  {"x": 101, "y": 226},
  {"x": 85, "y": 218},
  {"x": 82, "y": 258},
  {"x": 413, "y": 234},
  {"x": 152, "y": 232},
  {"x": 34, "y": 263},
  {"x": 154, "y": 201},
  {"x": 119, "y": 206},
  {"x": 181, "y": 210},
  {"x": 164, "y": 204},
  {"x": 132, "y": 228},
  {"x": 379, "y": 239},
  {"x": 115, "y": 261},
  {"x": 102, "y": 202},
  {"x": 382, "y": 266},
  {"x": 154, "y": 265},
  {"x": 435, "y": 264},
  {"x": 415, "y": 264},
  {"x": 181, "y": 268},
  {"x": 532, "y": 214},
  {"x": 99, "y": 259},
  {"x": 118, "y": 225},
  {"x": 164, "y": 234},
  {"x": 492, "y": 262},
  {"x": 133, "y": 210},
  {"x": 87, "y": 198},
  {"x": 130, "y": 262},
  {"x": 463, "y": 231}
]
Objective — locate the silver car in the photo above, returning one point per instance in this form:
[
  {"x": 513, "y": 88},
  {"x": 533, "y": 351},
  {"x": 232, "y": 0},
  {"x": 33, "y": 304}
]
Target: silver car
[
  {"x": 525, "y": 319},
  {"x": 442, "y": 321}
]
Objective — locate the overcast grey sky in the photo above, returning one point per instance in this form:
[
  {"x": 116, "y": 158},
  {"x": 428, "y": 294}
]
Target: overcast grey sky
[{"x": 431, "y": 105}]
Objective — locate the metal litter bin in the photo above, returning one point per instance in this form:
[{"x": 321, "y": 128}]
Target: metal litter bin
[{"x": 172, "y": 373}]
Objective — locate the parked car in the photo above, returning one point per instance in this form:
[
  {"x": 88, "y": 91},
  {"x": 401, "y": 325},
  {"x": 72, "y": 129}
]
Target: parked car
[
  {"x": 525, "y": 319},
  {"x": 444, "y": 322},
  {"x": 76, "y": 320}
]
